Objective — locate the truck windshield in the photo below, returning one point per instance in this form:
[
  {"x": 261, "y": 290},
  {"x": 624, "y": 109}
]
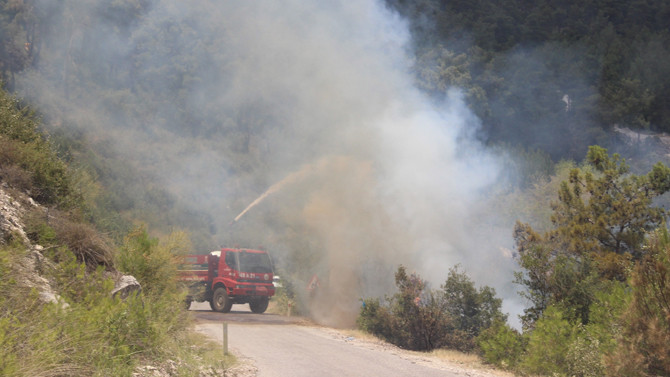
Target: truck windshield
[{"x": 255, "y": 262}]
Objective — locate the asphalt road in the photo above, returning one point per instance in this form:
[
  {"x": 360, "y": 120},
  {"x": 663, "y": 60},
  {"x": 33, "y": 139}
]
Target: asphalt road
[{"x": 281, "y": 347}]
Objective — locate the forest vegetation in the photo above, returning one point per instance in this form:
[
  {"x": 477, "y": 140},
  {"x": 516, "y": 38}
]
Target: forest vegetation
[{"x": 550, "y": 81}]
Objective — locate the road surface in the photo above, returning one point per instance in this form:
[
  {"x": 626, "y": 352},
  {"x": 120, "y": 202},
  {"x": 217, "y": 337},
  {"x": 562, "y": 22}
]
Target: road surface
[{"x": 281, "y": 347}]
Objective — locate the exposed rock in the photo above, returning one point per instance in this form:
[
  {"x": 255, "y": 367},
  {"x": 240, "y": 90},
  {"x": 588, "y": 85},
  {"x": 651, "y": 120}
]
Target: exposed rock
[
  {"x": 30, "y": 268},
  {"x": 33, "y": 264},
  {"x": 10, "y": 217},
  {"x": 125, "y": 285}
]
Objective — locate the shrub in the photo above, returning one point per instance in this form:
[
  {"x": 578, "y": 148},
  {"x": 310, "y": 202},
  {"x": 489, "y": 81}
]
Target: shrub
[
  {"x": 418, "y": 318},
  {"x": 584, "y": 358},
  {"x": 414, "y": 318},
  {"x": 548, "y": 344},
  {"x": 501, "y": 345},
  {"x": 14, "y": 175},
  {"x": 96, "y": 335},
  {"x": 53, "y": 229},
  {"x": 151, "y": 262},
  {"x": 377, "y": 319},
  {"x": 471, "y": 310}
]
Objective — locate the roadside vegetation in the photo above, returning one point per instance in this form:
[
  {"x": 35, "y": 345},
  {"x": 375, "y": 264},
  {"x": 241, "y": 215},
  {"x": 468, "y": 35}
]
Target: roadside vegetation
[
  {"x": 597, "y": 283},
  {"x": 86, "y": 331}
]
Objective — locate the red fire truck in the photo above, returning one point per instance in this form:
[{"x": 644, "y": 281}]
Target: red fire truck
[{"x": 229, "y": 276}]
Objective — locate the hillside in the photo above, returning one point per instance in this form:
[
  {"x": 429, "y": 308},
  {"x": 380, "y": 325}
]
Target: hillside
[
  {"x": 66, "y": 309},
  {"x": 452, "y": 174}
]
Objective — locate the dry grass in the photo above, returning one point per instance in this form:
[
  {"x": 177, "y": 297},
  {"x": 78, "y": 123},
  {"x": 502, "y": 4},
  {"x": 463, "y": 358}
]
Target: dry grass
[
  {"x": 85, "y": 242},
  {"x": 53, "y": 228},
  {"x": 467, "y": 360}
]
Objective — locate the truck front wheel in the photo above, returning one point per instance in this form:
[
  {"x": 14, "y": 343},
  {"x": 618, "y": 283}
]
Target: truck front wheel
[
  {"x": 259, "y": 305},
  {"x": 220, "y": 300}
]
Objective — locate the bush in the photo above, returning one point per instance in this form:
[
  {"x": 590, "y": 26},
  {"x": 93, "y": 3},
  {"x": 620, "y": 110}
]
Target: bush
[
  {"x": 414, "y": 318},
  {"x": 501, "y": 345},
  {"x": 151, "y": 262},
  {"x": 418, "y": 318},
  {"x": 472, "y": 310},
  {"x": 95, "y": 335},
  {"x": 54, "y": 229},
  {"x": 377, "y": 319},
  {"x": 584, "y": 358},
  {"x": 548, "y": 344}
]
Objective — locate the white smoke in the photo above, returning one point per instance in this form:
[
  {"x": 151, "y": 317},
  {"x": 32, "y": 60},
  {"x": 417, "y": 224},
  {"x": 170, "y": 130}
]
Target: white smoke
[{"x": 401, "y": 179}]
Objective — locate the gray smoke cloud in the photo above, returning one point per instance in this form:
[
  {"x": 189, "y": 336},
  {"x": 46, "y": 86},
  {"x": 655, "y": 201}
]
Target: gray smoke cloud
[{"x": 315, "y": 96}]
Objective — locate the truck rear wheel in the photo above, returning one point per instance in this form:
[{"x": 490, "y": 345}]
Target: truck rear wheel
[
  {"x": 259, "y": 305},
  {"x": 220, "y": 301}
]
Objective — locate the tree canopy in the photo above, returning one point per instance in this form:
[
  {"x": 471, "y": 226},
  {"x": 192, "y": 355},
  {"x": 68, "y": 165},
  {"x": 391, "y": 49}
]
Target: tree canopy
[{"x": 600, "y": 223}]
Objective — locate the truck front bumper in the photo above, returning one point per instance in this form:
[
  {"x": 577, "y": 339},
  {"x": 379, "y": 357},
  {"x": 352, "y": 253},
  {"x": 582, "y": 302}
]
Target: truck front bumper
[{"x": 253, "y": 290}]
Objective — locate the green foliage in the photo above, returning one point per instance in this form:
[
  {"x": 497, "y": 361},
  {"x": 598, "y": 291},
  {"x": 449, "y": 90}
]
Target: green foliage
[
  {"x": 88, "y": 332},
  {"x": 377, "y": 318},
  {"x": 606, "y": 323},
  {"x": 422, "y": 319},
  {"x": 27, "y": 160},
  {"x": 556, "y": 279},
  {"x": 600, "y": 221},
  {"x": 536, "y": 260},
  {"x": 414, "y": 318},
  {"x": 151, "y": 262},
  {"x": 471, "y": 310},
  {"x": 560, "y": 345},
  {"x": 548, "y": 344},
  {"x": 584, "y": 357},
  {"x": 609, "y": 210},
  {"x": 575, "y": 275},
  {"x": 501, "y": 345}
]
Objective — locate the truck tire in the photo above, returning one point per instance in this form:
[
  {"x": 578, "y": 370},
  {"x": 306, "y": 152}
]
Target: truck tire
[
  {"x": 220, "y": 300},
  {"x": 259, "y": 305}
]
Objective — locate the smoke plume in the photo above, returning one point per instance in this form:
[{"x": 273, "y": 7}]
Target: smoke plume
[{"x": 297, "y": 119}]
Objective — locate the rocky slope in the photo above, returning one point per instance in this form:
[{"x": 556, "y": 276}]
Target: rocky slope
[{"x": 13, "y": 207}]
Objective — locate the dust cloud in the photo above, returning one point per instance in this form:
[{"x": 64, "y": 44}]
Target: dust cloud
[{"x": 301, "y": 119}]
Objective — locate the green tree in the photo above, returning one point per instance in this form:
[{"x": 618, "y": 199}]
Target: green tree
[
  {"x": 471, "y": 310},
  {"x": 548, "y": 344},
  {"x": 609, "y": 210},
  {"x": 599, "y": 224}
]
